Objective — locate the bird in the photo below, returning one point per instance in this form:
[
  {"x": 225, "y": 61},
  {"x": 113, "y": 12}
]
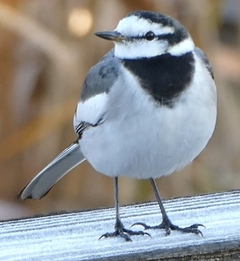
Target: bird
[{"x": 146, "y": 109}]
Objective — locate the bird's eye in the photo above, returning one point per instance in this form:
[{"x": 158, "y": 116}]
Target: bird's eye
[{"x": 149, "y": 36}]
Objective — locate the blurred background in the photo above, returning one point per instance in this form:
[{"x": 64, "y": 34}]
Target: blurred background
[{"x": 46, "y": 49}]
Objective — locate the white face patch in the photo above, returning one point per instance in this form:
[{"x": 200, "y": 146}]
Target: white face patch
[
  {"x": 183, "y": 47},
  {"x": 90, "y": 110},
  {"x": 140, "y": 49},
  {"x": 134, "y": 26}
]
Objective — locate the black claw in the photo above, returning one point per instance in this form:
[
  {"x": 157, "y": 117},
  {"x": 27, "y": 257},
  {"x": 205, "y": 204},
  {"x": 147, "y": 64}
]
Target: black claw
[
  {"x": 115, "y": 234},
  {"x": 191, "y": 229},
  {"x": 197, "y": 225},
  {"x": 143, "y": 225},
  {"x": 124, "y": 233},
  {"x": 168, "y": 226}
]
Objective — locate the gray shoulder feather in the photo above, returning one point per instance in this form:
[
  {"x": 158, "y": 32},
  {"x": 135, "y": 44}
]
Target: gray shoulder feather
[
  {"x": 101, "y": 76},
  {"x": 204, "y": 59}
]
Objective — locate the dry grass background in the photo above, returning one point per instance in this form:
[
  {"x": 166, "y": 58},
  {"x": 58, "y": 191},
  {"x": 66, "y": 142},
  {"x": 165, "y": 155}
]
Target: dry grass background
[{"x": 42, "y": 68}]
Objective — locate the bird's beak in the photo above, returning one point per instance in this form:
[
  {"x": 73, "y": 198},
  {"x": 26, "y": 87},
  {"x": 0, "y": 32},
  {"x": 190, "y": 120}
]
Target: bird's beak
[{"x": 111, "y": 35}]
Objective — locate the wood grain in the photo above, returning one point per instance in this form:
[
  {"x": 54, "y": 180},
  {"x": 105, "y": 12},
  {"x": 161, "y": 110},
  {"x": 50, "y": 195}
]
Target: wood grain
[{"x": 74, "y": 236}]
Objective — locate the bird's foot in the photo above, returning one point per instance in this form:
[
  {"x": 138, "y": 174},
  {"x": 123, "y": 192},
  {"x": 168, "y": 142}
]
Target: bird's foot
[
  {"x": 121, "y": 231},
  {"x": 168, "y": 226}
]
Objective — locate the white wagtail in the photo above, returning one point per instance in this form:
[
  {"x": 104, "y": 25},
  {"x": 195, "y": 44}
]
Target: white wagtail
[{"x": 147, "y": 109}]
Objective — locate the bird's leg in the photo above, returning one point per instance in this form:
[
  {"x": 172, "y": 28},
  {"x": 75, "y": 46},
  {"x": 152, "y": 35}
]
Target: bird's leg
[
  {"x": 166, "y": 223},
  {"x": 120, "y": 230}
]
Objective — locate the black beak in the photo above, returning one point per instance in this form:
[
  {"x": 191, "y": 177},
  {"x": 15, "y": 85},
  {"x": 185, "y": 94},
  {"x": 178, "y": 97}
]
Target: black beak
[{"x": 111, "y": 35}]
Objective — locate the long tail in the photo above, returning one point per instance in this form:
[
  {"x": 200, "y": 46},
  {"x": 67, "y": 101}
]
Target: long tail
[{"x": 53, "y": 172}]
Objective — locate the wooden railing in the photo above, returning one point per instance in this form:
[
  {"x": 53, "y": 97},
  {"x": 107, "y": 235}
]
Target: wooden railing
[{"x": 75, "y": 236}]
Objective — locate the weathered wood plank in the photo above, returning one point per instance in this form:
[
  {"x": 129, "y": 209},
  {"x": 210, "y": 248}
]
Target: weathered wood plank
[{"x": 74, "y": 236}]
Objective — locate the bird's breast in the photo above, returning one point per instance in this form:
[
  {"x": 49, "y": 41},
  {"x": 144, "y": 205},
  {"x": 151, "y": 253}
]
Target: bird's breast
[{"x": 142, "y": 138}]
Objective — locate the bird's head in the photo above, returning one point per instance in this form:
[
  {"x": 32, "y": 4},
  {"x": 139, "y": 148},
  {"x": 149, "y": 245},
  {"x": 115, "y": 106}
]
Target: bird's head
[{"x": 145, "y": 34}]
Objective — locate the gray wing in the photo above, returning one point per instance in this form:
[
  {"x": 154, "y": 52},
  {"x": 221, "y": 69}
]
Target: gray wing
[
  {"x": 204, "y": 59},
  {"x": 101, "y": 76},
  {"x": 99, "y": 80},
  {"x": 54, "y": 171}
]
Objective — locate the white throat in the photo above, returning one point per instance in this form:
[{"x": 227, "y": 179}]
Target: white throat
[{"x": 139, "y": 49}]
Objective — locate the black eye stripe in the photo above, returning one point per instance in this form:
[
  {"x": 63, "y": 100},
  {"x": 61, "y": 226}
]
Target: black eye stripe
[
  {"x": 164, "y": 36},
  {"x": 172, "y": 38},
  {"x": 159, "y": 37}
]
